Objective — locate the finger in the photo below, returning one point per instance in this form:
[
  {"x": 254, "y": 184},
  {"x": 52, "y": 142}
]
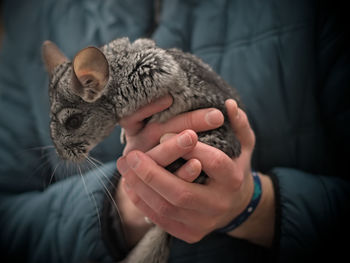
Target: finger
[
  {"x": 240, "y": 125},
  {"x": 190, "y": 170},
  {"x": 133, "y": 123},
  {"x": 145, "y": 139},
  {"x": 156, "y": 202},
  {"x": 198, "y": 120},
  {"x": 176, "y": 191},
  {"x": 166, "y": 137},
  {"x": 173, "y": 227},
  {"x": 148, "y": 195},
  {"x": 216, "y": 164},
  {"x": 143, "y": 196},
  {"x": 173, "y": 148}
]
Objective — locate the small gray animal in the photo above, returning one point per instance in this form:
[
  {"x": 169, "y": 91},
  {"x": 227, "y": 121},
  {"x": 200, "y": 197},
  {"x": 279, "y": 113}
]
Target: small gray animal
[{"x": 100, "y": 86}]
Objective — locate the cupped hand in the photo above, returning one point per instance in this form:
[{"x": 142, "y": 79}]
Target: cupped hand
[
  {"x": 143, "y": 137},
  {"x": 186, "y": 210}
]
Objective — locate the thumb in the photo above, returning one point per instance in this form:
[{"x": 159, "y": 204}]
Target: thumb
[{"x": 240, "y": 125}]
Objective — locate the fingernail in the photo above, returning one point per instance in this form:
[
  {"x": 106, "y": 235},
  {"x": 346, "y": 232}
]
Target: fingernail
[
  {"x": 237, "y": 114},
  {"x": 214, "y": 118},
  {"x": 185, "y": 140},
  {"x": 236, "y": 107},
  {"x": 234, "y": 102},
  {"x": 165, "y": 101},
  {"x": 133, "y": 160},
  {"x": 190, "y": 169}
]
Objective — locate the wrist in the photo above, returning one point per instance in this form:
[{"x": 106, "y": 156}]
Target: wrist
[
  {"x": 259, "y": 227},
  {"x": 250, "y": 200}
]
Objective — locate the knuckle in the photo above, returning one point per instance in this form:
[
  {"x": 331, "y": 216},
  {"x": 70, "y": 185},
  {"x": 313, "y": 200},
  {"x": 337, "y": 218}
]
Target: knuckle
[
  {"x": 185, "y": 198},
  {"x": 136, "y": 200},
  {"x": 131, "y": 179},
  {"x": 168, "y": 146},
  {"x": 243, "y": 119},
  {"x": 164, "y": 209},
  {"x": 217, "y": 160},
  {"x": 243, "y": 122},
  {"x": 147, "y": 176},
  {"x": 189, "y": 121}
]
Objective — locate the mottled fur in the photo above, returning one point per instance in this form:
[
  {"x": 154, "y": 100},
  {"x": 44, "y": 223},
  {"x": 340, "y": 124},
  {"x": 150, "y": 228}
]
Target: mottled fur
[{"x": 85, "y": 107}]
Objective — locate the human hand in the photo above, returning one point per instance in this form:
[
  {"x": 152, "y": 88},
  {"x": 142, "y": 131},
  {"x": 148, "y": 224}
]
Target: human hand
[
  {"x": 185, "y": 210},
  {"x": 144, "y": 137}
]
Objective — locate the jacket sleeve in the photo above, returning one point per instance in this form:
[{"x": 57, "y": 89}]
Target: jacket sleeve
[
  {"x": 312, "y": 215},
  {"x": 313, "y": 210},
  {"x": 60, "y": 224}
]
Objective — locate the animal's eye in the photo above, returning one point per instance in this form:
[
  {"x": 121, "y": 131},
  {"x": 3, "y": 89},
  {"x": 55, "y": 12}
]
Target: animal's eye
[{"x": 74, "y": 122}]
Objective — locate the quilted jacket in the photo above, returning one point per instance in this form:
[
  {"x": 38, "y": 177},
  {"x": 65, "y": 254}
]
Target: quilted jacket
[{"x": 289, "y": 60}]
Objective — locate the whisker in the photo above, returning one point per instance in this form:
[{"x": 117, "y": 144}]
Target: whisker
[
  {"x": 67, "y": 168},
  {"x": 91, "y": 197},
  {"x": 92, "y": 161},
  {"x": 53, "y": 173},
  {"x": 42, "y": 165},
  {"x": 37, "y": 148},
  {"x": 104, "y": 185},
  {"x": 111, "y": 198},
  {"x": 44, "y": 149}
]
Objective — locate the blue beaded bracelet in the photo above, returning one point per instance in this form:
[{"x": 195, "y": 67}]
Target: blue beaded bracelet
[{"x": 237, "y": 221}]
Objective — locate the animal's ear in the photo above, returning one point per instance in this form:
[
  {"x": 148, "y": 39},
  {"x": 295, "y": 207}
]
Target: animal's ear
[
  {"x": 91, "y": 73},
  {"x": 52, "y": 56}
]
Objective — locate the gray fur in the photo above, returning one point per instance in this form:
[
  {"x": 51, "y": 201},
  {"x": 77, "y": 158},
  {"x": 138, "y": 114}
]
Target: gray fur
[
  {"x": 154, "y": 247},
  {"x": 139, "y": 73}
]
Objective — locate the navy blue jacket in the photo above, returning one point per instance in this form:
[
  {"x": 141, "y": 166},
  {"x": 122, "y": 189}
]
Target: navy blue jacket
[{"x": 289, "y": 60}]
